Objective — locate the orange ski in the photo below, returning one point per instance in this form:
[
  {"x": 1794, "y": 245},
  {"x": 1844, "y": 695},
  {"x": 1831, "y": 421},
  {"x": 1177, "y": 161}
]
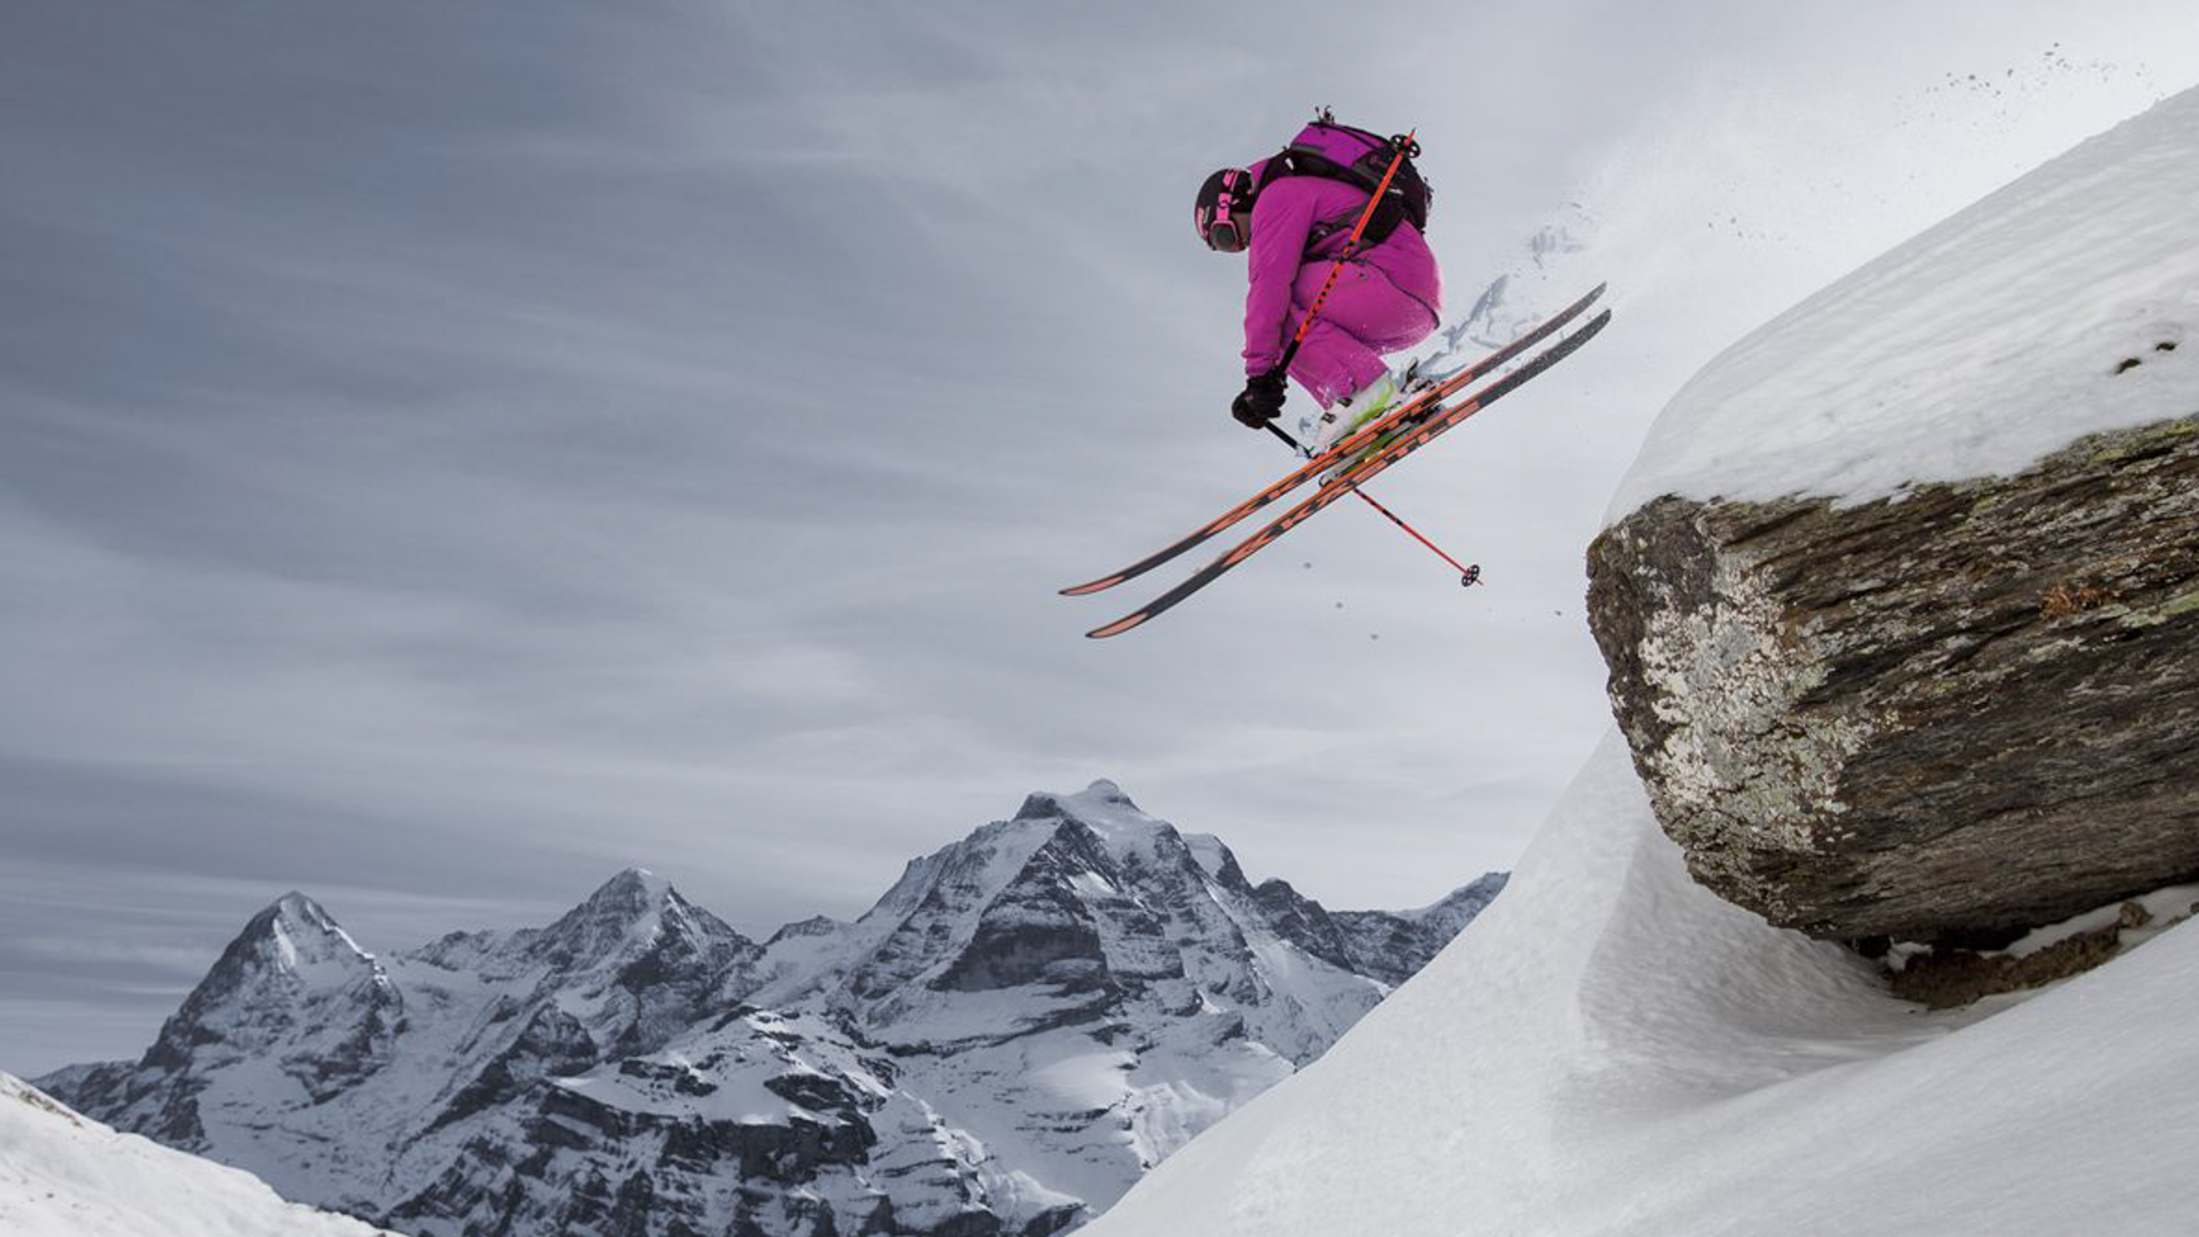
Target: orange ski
[
  {"x": 1411, "y": 440},
  {"x": 1343, "y": 449}
]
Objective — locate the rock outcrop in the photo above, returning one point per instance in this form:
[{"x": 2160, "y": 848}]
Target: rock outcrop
[{"x": 1963, "y": 712}]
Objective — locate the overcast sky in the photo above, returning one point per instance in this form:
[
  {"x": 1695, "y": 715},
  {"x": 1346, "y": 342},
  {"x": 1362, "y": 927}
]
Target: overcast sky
[{"x": 451, "y": 452}]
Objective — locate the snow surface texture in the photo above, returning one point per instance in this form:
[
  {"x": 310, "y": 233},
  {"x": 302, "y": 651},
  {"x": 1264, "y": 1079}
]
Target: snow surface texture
[
  {"x": 1974, "y": 349},
  {"x": 1614, "y": 1050},
  {"x": 62, "y": 1175}
]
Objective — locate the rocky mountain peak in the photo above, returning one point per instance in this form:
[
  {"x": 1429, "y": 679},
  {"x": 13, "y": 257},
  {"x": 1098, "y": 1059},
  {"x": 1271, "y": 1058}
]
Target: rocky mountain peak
[
  {"x": 1104, "y": 820},
  {"x": 1102, "y": 850},
  {"x": 293, "y": 987},
  {"x": 295, "y": 935},
  {"x": 631, "y": 886},
  {"x": 300, "y": 909},
  {"x": 1459, "y": 907},
  {"x": 815, "y": 925},
  {"x": 291, "y": 952},
  {"x": 1303, "y": 921},
  {"x": 1102, "y": 799},
  {"x": 633, "y": 914},
  {"x": 1103, "y": 791},
  {"x": 635, "y": 896},
  {"x": 1040, "y": 805},
  {"x": 619, "y": 973}
]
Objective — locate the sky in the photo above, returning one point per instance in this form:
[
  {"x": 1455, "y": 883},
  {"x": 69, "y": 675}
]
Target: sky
[{"x": 451, "y": 453}]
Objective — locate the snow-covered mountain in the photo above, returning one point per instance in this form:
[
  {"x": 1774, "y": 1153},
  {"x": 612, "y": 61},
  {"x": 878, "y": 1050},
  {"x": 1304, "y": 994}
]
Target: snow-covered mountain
[
  {"x": 63, "y": 1175},
  {"x": 1025, "y": 1023}
]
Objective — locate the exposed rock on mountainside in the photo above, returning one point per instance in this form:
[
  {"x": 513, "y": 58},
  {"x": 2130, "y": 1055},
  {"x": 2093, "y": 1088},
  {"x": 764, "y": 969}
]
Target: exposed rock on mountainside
[
  {"x": 1026, "y": 1022},
  {"x": 1901, "y": 602},
  {"x": 1971, "y": 710},
  {"x": 1943, "y": 977},
  {"x": 1389, "y": 945}
]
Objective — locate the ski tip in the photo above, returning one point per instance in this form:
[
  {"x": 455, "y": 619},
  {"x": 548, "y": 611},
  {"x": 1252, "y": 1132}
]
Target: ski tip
[
  {"x": 1083, "y": 590},
  {"x": 1117, "y": 627}
]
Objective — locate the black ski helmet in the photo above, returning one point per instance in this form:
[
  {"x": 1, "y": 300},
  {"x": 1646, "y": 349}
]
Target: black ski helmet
[{"x": 1223, "y": 212}]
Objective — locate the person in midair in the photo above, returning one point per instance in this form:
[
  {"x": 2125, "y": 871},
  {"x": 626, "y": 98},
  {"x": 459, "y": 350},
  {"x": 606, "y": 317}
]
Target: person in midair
[{"x": 1293, "y": 215}]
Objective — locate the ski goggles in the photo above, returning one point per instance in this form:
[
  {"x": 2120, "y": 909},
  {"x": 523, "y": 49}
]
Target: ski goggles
[
  {"x": 1221, "y": 226},
  {"x": 1225, "y": 236}
]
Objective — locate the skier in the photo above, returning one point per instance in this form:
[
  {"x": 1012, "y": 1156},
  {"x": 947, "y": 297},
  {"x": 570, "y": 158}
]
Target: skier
[{"x": 1295, "y": 213}]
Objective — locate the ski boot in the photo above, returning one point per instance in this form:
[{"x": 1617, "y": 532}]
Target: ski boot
[
  {"x": 1353, "y": 411},
  {"x": 1383, "y": 396}
]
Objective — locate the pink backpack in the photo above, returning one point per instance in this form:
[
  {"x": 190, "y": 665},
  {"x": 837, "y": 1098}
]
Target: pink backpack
[{"x": 1357, "y": 158}]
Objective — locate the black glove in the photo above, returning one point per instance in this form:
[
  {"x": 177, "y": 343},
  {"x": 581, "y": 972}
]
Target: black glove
[{"x": 1261, "y": 401}]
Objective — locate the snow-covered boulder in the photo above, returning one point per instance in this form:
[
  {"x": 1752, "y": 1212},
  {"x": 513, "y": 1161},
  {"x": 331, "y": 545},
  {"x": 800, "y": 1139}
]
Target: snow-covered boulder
[
  {"x": 64, "y": 1175},
  {"x": 1901, "y": 599}
]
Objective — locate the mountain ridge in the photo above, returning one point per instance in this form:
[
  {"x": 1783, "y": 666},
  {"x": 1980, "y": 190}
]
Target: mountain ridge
[{"x": 1022, "y": 1024}]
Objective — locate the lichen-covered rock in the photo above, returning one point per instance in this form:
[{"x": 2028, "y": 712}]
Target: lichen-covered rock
[{"x": 1952, "y": 714}]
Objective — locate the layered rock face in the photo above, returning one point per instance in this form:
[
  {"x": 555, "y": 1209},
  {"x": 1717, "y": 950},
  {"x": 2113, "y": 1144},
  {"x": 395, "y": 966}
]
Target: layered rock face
[
  {"x": 1963, "y": 712},
  {"x": 1026, "y": 1022}
]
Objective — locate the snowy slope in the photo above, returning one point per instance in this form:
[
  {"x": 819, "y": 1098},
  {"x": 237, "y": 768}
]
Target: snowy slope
[
  {"x": 1614, "y": 1050},
  {"x": 1974, "y": 349},
  {"x": 62, "y": 1175}
]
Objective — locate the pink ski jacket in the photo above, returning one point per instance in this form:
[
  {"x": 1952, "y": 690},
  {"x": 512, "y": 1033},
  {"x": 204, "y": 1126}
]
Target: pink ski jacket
[{"x": 1282, "y": 216}]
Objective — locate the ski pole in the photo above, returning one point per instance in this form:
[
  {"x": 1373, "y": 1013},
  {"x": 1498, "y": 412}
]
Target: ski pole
[{"x": 1468, "y": 573}]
